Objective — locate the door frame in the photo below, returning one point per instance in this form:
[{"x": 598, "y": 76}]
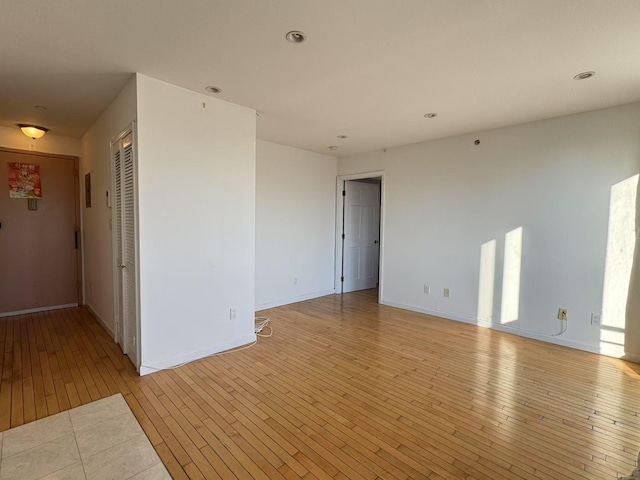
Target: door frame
[
  {"x": 119, "y": 327},
  {"x": 77, "y": 214},
  {"x": 340, "y": 179}
]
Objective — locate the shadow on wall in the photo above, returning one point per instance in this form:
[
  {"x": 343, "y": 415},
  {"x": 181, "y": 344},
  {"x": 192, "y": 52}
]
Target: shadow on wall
[{"x": 620, "y": 314}]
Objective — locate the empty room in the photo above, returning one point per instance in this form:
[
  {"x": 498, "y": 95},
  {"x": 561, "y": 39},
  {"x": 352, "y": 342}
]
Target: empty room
[{"x": 319, "y": 239}]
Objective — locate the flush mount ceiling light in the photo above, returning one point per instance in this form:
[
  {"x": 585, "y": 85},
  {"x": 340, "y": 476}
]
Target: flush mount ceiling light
[
  {"x": 295, "y": 36},
  {"x": 584, "y": 75},
  {"x": 430, "y": 115},
  {"x": 333, "y": 148},
  {"x": 33, "y": 131},
  {"x": 213, "y": 89},
  {"x": 342, "y": 136}
]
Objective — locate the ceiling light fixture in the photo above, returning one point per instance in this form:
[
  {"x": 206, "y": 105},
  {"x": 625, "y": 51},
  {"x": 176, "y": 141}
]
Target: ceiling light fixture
[
  {"x": 213, "y": 89},
  {"x": 430, "y": 115},
  {"x": 342, "y": 136},
  {"x": 33, "y": 131},
  {"x": 333, "y": 148},
  {"x": 584, "y": 75},
  {"x": 295, "y": 36}
]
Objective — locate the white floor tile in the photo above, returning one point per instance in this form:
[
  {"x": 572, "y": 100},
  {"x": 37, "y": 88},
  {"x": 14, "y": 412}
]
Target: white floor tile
[
  {"x": 40, "y": 461},
  {"x": 74, "y": 472},
  {"x": 36, "y": 433},
  {"x": 122, "y": 461},
  {"x": 99, "y": 411},
  {"x": 96, "y": 438}
]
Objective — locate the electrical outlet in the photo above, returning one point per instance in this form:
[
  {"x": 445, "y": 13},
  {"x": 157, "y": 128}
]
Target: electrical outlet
[
  {"x": 233, "y": 313},
  {"x": 427, "y": 289},
  {"x": 447, "y": 292},
  {"x": 562, "y": 314},
  {"x": 595, "y": 319}
]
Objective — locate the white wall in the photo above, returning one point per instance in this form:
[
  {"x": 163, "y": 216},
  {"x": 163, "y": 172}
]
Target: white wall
[
  {"x": 196, "y": 170},
  {"x": 50, "y": 143},
  {"x": 98, "y": 266},
  {"x": 295, "y": 224},
  {"x": 553, "y": 178}
]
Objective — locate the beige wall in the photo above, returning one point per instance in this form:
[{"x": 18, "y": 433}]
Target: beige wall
[
  {"x": 196, "y": 179},
  {"x": 296, "y": 194},
  {"x": 98, "y": 268}
]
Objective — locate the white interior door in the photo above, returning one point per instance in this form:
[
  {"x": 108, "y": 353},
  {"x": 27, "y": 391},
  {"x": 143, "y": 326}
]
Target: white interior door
[
  {"x": 125, "y": 246},
  {"x": 361, "y": 244}
]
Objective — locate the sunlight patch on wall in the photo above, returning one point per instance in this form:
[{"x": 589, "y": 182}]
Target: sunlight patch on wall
[
  {"x": 487, "y": 281},
  {"x": 511, "y": 276},
  {"x": 621, "y": 241}
]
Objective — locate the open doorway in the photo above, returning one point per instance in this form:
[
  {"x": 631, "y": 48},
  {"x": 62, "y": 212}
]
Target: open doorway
[{"x": 359, "y": 232}]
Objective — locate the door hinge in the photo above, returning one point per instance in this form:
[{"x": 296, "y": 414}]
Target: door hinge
[
  {"x": 343, "y": 237},
  {"x": 134, "y": 340},
  {"x": 344, "y": 193},
  {"x": 342, "y": 279}
]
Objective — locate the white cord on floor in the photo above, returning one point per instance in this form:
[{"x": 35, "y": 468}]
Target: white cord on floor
[
  {"x": 264, "y": 322},
  {"x": 562, "y": 329}
]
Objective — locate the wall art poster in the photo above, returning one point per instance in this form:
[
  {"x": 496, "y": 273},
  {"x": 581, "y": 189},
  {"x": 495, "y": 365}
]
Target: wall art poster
[{"x": 24, "y": 180}]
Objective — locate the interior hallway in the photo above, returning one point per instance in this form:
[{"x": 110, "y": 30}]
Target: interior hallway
[{"x": 345, "y": 388}]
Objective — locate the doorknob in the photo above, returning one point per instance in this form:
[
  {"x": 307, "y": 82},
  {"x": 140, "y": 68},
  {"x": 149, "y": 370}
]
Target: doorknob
[
  {"x": 122, "y": 265},
  {"x": 376, "y": 242}
]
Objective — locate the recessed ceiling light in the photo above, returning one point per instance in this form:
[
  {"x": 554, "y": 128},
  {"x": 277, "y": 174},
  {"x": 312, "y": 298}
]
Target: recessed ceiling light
[
  {"x": 430, "y": 115},
  {"x": 342, "y": 136},
  {"x": 584, "y": 75},
  {"x": 295, "y": 36},
  {"x": 213, "y": 89},
  {"x": 333, "y": 148}
]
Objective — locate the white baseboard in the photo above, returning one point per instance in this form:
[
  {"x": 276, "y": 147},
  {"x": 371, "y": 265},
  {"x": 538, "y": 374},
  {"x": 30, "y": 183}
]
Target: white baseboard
[
  {"x": 189, "y": 357},
  {"x": 100, "y": 320},
  {"x": 502, "y": 328},
  {"x": 36, "y": 310},
  {"x": 436, "y": 313},
  {"x": 299, "y": 298}
]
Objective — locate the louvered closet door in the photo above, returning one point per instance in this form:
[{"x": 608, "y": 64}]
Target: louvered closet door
[
  {"x": 129, "y": 248},
  {"x": 125, "y": 251},
  {"x": 117, "y": 226}
]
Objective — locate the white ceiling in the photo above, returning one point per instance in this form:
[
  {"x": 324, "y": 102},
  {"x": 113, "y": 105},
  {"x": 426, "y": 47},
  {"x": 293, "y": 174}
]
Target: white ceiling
[{"x": 370, "y": 69}]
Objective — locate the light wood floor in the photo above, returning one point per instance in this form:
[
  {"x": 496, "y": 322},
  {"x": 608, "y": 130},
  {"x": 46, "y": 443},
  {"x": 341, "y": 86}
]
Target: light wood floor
[{"x": 345, "y": 389}]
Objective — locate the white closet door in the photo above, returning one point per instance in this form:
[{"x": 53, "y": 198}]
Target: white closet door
[
  {"x": 129, "y": 247},
  {"x": 117, "y": 238},
  {"x": 125, "y": 246}
]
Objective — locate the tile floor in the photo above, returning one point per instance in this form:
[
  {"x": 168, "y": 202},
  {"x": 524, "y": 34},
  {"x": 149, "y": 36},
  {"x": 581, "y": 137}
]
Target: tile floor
[{"x": 100, "y": 440}]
